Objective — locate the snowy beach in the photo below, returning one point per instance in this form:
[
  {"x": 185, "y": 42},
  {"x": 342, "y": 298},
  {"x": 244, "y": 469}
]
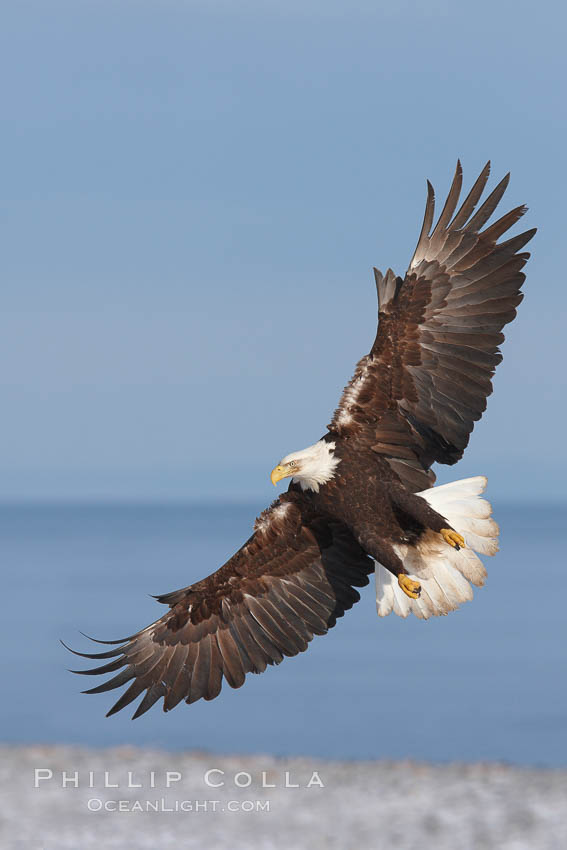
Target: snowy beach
[{"x": 68, "y": 798}]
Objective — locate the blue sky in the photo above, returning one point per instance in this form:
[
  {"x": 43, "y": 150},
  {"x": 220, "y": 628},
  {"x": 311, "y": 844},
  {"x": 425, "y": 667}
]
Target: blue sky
[{"x": 193, "y": 197}]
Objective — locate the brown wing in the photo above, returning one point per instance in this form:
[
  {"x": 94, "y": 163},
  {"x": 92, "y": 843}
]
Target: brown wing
[
  {"x": 291, "y": 580},
  {"x": 415, "y": 398}
]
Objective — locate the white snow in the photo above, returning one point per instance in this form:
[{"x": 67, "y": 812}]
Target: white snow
[{"x": 405, "y": 805}]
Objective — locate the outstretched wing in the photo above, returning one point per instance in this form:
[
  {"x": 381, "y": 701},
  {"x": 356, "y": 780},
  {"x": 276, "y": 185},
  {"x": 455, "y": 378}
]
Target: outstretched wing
[
  {"x": 291, "y": 580},
  {"x": 415, "y": 397}
]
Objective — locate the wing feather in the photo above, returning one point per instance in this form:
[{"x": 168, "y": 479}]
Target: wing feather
[
  {"x": 416, "y": 396},
  {"x": 290, "y": 581}
]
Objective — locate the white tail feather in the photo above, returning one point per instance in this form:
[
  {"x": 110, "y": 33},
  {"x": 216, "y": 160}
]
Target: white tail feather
[{"x": 443, "y": 572}]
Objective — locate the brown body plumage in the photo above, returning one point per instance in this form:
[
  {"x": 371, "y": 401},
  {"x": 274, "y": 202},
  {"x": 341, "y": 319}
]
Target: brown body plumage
[{"x": 413, "y": 401}]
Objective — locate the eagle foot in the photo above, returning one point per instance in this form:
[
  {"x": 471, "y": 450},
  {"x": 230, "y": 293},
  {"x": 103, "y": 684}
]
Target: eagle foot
[
  {"x": 410, "y": 587},
  {"x": 453, "y": 538}
]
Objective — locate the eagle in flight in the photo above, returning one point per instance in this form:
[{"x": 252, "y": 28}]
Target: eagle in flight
[{"x": 361, "y": 499}]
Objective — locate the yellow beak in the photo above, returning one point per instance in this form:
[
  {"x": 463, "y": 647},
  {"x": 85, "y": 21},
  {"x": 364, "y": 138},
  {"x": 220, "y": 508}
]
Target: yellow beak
[{"x": 278, "y": 472}]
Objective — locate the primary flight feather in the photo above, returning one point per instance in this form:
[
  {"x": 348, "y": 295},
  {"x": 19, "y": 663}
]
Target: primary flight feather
[{"x": 362, "y": 497}]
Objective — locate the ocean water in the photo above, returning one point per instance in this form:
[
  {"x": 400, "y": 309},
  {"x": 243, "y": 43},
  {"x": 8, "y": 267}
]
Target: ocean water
[{"x": 487, "y": 682}]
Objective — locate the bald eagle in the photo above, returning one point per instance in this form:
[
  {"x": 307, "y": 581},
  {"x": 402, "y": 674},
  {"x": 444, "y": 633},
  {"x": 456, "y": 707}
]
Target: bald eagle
[{"x": 361, "y": 499}]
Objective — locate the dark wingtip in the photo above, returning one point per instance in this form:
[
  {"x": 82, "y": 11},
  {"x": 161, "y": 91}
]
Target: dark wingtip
[
  {"x": 90, "y": 672},
  {"x": 111, "y": 667},
  {"x": 107, "y": 642},
  {"x": 92, "y": 655}
]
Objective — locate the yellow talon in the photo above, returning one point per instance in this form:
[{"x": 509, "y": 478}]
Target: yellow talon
[
  {"x": 453, "y": 539},
  {"x": 410, "y": 587}
]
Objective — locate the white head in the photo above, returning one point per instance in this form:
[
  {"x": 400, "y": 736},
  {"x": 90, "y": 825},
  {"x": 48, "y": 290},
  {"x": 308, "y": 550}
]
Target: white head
[{"x": 310, "y": 467}]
